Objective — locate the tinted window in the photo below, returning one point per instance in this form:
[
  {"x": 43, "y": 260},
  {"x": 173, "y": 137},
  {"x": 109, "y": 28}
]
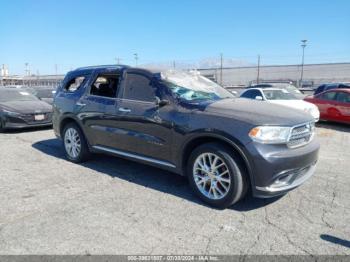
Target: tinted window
[
  {"x": 138, "y": 87},
  {"x": 343, "y": 97},
  {"x": 328, "y": 96},
  {"x": 252, "y": 94},
  {"x": 74, "y": 84},
  {"x": 319, "y": 89}
]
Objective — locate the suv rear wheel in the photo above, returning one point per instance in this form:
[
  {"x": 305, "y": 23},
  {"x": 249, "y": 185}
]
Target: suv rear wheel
[
  {"x": 75, "y": 144},
  {"x": 217, "y": 175}
]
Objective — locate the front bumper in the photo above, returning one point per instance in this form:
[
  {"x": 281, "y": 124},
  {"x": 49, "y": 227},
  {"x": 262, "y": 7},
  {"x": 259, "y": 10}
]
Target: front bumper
[
  {"x": 11, "y": 122},
  {"x": 277, "y": 169}
]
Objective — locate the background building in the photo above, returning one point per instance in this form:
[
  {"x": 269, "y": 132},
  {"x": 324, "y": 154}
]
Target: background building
[{"x": 313, "y": 73}]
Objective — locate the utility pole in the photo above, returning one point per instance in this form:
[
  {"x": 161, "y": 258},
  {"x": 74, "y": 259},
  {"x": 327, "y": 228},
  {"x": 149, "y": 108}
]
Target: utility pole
[
  {"x": 303, "y": 45},
  {"x": 258, "y": 76},
  {"x": 56, "y": 69},
  {"x": 117, "y": 59},
  {"x": 174, "y": 65},
  {"x": 26, "y": 72},
  {"x": 136, "y": 57},
  {"x": 221, "y": 65}
]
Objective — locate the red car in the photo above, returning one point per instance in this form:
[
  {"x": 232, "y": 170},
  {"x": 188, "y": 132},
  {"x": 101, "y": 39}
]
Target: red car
[{"x": 334, "y": 104}]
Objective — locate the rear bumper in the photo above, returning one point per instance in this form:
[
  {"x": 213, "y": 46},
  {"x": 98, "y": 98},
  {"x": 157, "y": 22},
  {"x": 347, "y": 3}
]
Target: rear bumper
[{"x": 277, "y": 169}]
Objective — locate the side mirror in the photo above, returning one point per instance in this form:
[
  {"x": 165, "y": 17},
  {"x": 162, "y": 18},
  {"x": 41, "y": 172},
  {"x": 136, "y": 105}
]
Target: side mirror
[
  {"x": 161, "y": 102},
  {"x": 259, "y": 98},
  {"x": 235, "y": 93}
]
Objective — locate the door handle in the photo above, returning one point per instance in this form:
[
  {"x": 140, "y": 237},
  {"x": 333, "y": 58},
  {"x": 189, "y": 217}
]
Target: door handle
[
  {"x": 125, "y": 110},
  {"x": 80, "y": 104}
]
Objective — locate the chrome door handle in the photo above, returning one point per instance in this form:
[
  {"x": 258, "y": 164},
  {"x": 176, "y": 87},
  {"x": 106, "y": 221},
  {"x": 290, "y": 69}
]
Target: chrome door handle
[
  {"x": 125, "y": 110},
  {"x": 80, "y": 104}
]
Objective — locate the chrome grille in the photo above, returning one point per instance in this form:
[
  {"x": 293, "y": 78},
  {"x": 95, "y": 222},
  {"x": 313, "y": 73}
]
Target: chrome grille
[{"x": 301, "y": 134}]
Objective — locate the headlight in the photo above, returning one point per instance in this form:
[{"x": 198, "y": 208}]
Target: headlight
[
  {"x": 10, "y": 113},
  {"x": 270, "y": 134}
]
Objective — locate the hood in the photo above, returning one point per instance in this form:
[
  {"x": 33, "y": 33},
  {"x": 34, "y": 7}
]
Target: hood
[
  {"x": 297, "y": 104},
  {"x": 257, "y": 112},
  {"x": 26, "y": 107}
]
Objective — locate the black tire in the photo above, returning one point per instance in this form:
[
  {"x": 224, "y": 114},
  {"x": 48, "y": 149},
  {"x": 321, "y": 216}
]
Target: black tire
[
  {"x": 2, "y": 129},
  {"x": 238, "y": 176},
  {"x": 84, "y": 153}
]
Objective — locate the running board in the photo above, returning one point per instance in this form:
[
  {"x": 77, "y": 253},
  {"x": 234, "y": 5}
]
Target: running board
[{"x": 134, "y": 156}]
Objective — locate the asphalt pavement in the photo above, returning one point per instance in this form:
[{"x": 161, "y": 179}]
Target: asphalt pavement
[{"x": 113, "y": 206}]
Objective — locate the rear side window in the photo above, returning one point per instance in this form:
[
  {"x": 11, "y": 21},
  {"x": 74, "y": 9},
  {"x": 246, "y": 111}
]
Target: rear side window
[
  {"x": 328, "y": 96},
  {"x": 252, "y": 94},
  {"x": 138, "y": 87},
  {"x": 74, "y": 84}
]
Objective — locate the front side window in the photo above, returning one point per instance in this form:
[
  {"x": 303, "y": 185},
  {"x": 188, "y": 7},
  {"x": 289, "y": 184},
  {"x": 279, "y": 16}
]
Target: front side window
[
  {"x": 138, "y": 87},
  {"x": 191, "y": 86},
  {"x": 328, "y": 96},
  {"x": 343, "y": 97},
  {"x": 74, "y": 84}
]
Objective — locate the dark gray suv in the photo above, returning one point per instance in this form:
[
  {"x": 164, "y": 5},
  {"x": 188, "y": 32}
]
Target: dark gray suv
[{"x": 187, "y": 124}]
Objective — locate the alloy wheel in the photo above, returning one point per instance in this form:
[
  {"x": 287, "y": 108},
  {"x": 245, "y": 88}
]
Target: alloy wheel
[
  {"x": 72, "y": 142},
  {"x": 212, "y": 176}
]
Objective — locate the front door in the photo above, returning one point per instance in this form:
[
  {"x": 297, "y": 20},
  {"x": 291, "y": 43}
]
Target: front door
[{"x": 142, "y": 127}]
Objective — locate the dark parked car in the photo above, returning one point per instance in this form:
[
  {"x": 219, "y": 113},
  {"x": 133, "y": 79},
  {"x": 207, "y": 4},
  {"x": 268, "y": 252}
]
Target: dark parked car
[
  {"x": 45, "y": 94},
  {"x": 187, "y": 124},
  {"x": 325, "y": 87},
  {"x": 19, "y": 109},
  {"x": 289, "y": 87}
]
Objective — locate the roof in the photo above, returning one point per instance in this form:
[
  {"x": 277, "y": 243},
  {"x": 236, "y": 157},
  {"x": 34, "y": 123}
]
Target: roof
[
  {"x": 264, "y": 89},
  {"x": 89, "y": 69}
]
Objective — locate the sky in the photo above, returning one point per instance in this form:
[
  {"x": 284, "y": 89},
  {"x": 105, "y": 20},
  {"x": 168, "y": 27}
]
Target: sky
[{"x": 64, "y": 34}]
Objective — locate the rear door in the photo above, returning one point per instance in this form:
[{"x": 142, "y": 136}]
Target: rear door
[
  {"x": 97, "y": 106},
  {"x": 343, "y": 106}
]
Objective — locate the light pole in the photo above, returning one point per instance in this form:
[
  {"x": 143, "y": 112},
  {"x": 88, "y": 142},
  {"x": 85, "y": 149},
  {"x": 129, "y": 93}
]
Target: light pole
[
  {"x": 221, "y": 67},
  {"x": 258, "y": 76},
  {"x": 136, "y": 57},
  {"x": 303, "y": 45}
]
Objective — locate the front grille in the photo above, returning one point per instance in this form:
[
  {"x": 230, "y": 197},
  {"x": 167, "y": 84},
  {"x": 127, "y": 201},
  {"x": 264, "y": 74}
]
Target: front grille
[
  {"x": 30, "y": 118},
  {"x": 301, "y": 134}
]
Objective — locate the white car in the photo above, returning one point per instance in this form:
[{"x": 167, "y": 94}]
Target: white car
[{"x": 281, "y": 97}]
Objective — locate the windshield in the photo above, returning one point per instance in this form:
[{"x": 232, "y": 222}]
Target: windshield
[
  {"x": 192, "y": 86},
  {"x": 290, "y": 88},
  {"x": 278, "y": 95},
  {"x": 16, "y": 95},
  {"x": 44, "y": 93}
]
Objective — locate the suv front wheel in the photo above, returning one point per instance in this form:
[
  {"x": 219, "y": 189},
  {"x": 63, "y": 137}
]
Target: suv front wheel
[
  {"x": 217, "y": 175},
  {"x": 75, "y": 144}
]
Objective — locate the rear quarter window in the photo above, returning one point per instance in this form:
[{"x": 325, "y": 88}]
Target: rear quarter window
[{"x": 74, "y": 84}]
